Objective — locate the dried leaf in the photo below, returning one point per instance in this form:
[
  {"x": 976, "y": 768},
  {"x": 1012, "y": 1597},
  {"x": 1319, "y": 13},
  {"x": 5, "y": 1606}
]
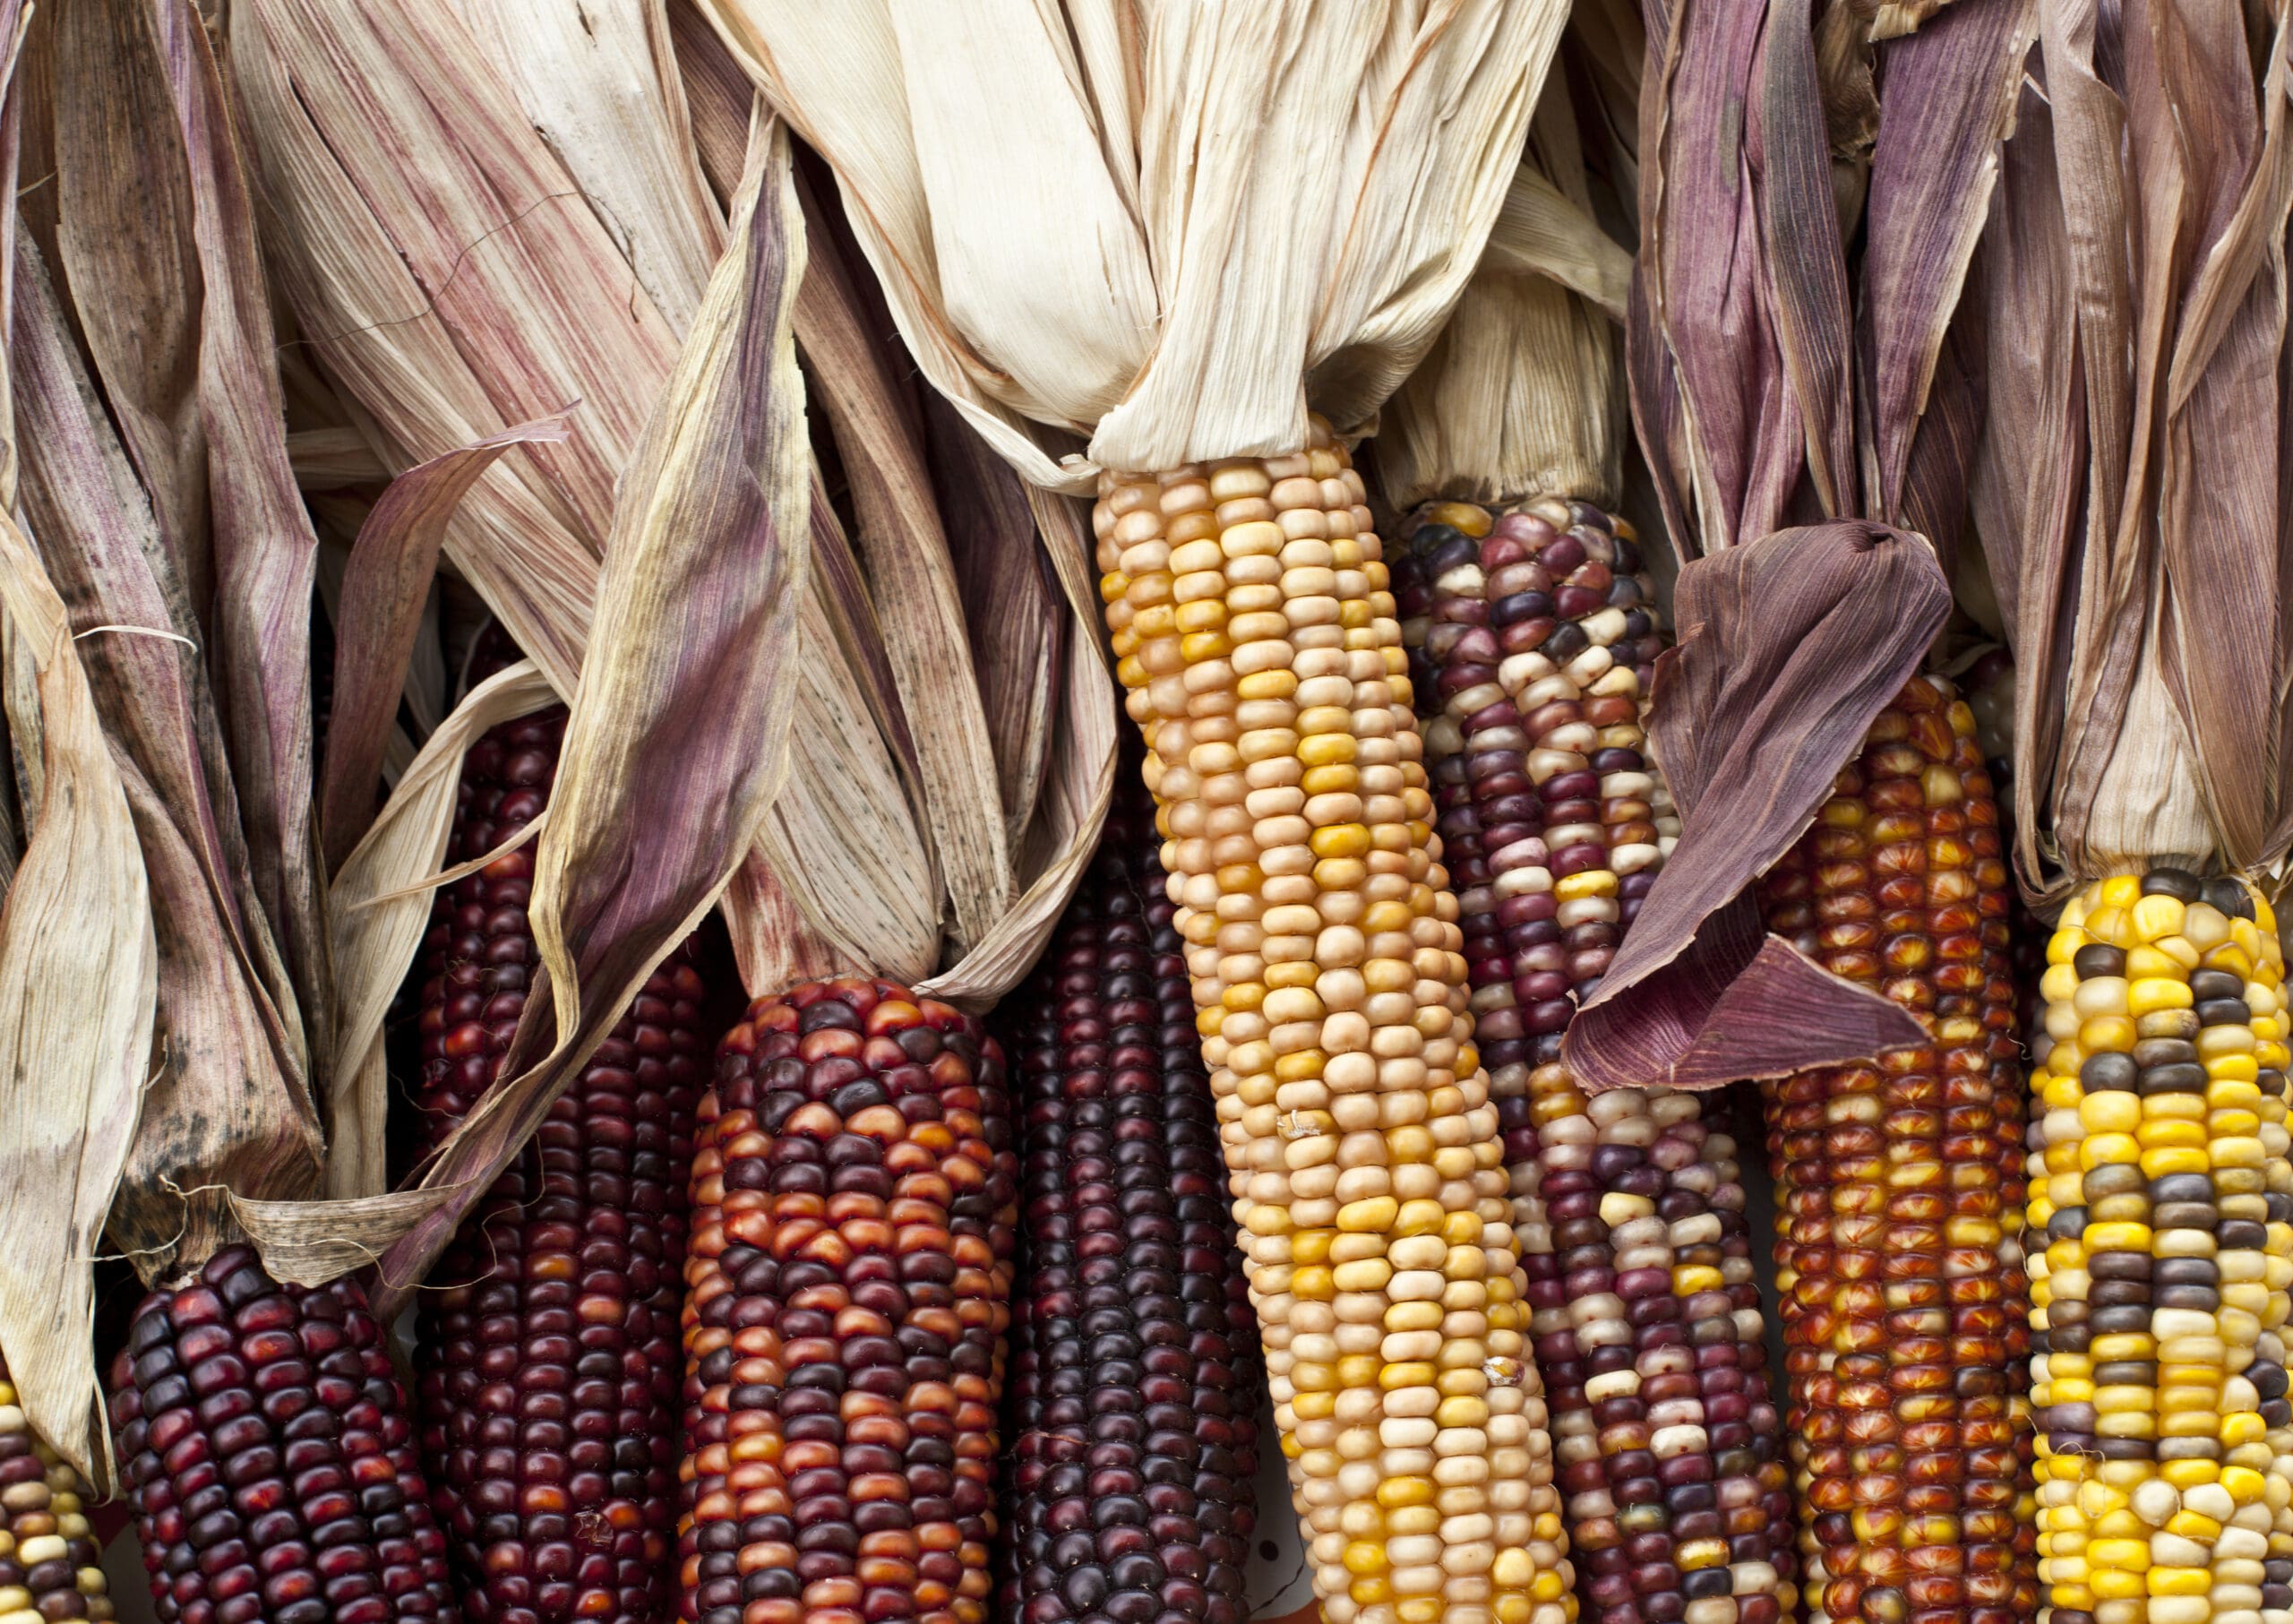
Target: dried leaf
[
  {"x": 599, "y": 81},
  {"x": 380, "y": 910},
  {"x": 1542, "y": 232},
  {"x": 327, "y": 458},
  {"x": 1090, "y": 217},
  {"x": 1012, "y": 622},
  {"x": 676, "y": 744},
  {"x": 912, "y": 583},
  {"x": 717, "y": 93},
  {"x": 1790, "y": 646},
  {"x": 384, "y": 589},
  {"x": 312, "y": 1243}
]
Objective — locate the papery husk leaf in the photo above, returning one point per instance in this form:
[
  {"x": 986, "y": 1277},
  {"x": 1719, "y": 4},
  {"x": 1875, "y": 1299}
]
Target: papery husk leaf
[
  {"x": 265, "y": 552},
  {"x": 1542, "y": 232},
  {"x": 1014, "y": 631},
  {"x": 2222, "y": 647},
  {"x": 677, "y": 740},
  {"x": 774, "y": 946},
  {"x": 447, "y": 269},
  {"x": 78, "y": 988},
  {"x": 230, "y": 1103},
  {"x": 599, "y": 81},
  {"x": 312, "y": 1243},
  {"x": 717, "y": 96},
  {"x": 879, "y": 429},
  {"x": 1806, "y": 267},
  {"x": 385, "y": 586},
  {"x": 1059, "y": 847},
  {"x": 381, "y": 910},
  {"x": 1789, "y": 647},
  {"x": 1148, "y": 226},
  {"x": 2030, "y": 460},
  {"x": 1893, "y": 19},
  {"x": 327, "y": 458},
  {"x": 1952, "y": 91},
  {"x": 78, "y": 966},
  {"x": 1721, "y": 419}
]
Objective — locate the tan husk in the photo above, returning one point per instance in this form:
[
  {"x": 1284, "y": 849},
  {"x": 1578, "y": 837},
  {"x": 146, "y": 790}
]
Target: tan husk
[
  {"x": 677, "y": 740},
  {"x": 1091, "y": 216},
  {"x": 1521, "y": 396},
  {"x": 78, "y": 969}
]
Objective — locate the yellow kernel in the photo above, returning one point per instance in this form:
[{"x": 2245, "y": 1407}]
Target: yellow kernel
[{"x": 2152, "y": 995}]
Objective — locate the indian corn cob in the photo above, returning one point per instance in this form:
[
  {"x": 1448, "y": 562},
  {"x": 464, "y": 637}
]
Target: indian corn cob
[
  {"x": 854, "y": 1192},
  {"x": 1899, "y": 1195},
  {"x": 1253, "y": 627},
  {"x": 1136, "y": 1381},
  {"x": 2166, "y": 1457},
  {"x": 268, "y": 1456},
  {"x": 548, "y": 1350},
  {"x": 50, "y": 1566},
  {"x": 1647, "y": 1319}
]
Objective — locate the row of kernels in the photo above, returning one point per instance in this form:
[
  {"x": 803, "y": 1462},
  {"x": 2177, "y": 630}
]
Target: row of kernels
[
  {"x": 1898, "y": 1192},
  {"x": 1335, "y": 1017},
  {"x": 1628, "y": 1478},
  {"x": 2162, "y": 1375}
]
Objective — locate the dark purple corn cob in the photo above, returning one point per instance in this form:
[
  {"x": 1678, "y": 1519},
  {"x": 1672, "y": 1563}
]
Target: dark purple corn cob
[
  {"x": 268, "y": 1459},
  {"x": 1134, "y": 1397},
  {"x": 550, "y": 1360}
]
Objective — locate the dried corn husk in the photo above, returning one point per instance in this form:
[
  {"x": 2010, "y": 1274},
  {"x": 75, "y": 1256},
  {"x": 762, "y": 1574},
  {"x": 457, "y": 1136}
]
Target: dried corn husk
[
  {"x": 1168, "y": 225},
  {"x": 1775, "y": 384},
  {"x": 2131, "y": 502}
]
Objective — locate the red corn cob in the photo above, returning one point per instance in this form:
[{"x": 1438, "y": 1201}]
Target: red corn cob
[
  {"x": 268, "y": 1459},
  {"x": 1134, "y": 1406},
  {"x": 549, "y": 1359},
  {"x": 854, "y": 1193}
]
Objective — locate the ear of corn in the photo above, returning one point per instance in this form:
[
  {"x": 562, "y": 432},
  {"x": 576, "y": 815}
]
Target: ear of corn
[
  {"x": 1900, "y": 1198},
  {"x": 1648, "y": 1326},
  {"x": 854, "y": 1192},
  {"x": 1253, "y": 626},
  {"x": 547, "y": 1346},
  {"x": 1136, "y": 1379},
  {"x": 2166, "y": 1454},
  {"x": 269, "y": 1458},
  {"x": 50, "y": 1567}
]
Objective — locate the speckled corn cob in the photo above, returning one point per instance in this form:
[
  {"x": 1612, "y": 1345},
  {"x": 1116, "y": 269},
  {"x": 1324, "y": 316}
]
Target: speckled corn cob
[
  {"x": 50, "y": 1566},
  {"x": 1898, "y": 1195},
  {"x": 854, "y": 1196},
  {"x": 1252, "y": 624},
  {"x": 1646, "y": 1318},
  {"x": 1141, "y": 1381},
  {"x": 547, "y": 1347},
  {"x": 264, "y": 1443},
  {"x": 2166, "y": 1459}
]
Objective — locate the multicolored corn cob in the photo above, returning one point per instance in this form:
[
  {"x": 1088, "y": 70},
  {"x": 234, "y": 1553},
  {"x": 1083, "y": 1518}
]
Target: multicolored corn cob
[
  {"x": 854, "y": 1193},
  {"x": 50, "y": 1567},
  {"x": 1646, "y": 1318},
  {"x": 1899, "y": 1195},
  {"x": 2161, "y": 1179},
  {"x": 265, "y": 1446},
  {"x": 1252, "y": 624},
  {"x": 1136, "y": 1379},
  {"x": 548, "y": 1347}
]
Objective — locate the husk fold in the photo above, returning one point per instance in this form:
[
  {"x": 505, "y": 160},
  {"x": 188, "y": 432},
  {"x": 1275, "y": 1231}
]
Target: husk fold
[
  {"x": 1815, "y": 416},
  {"x": 1168, "y": 225}
]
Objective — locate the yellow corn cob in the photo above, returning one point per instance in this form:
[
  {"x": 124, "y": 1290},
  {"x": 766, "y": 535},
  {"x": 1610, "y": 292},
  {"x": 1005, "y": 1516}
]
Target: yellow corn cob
[
  {"x": 2161, "y": 1178},
  {"x": 1254, "y": 626}
]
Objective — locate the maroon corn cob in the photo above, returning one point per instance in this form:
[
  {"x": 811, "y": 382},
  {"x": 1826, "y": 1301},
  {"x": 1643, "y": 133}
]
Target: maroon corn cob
[
  {"x": 854, "y": 1193},
  {"x": 269, "y": 1458},
  {"x": 549, "y": 1358},
  {"x": 1134, "y": 1404}
]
